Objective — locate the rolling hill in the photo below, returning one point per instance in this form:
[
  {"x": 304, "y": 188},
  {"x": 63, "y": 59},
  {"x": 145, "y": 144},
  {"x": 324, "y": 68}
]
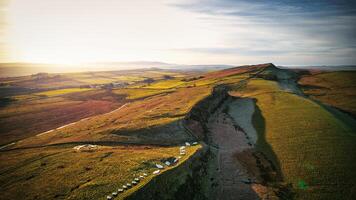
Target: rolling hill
[{"x": 263, "y": 132}]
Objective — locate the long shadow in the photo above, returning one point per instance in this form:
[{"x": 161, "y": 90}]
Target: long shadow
[
  {"x": 283, "y": 191},
  {"x": 172, "y": 133}
]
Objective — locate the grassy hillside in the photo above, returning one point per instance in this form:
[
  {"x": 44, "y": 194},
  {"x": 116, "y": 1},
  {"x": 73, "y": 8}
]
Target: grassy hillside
[
  {"x": 139, "y": 93},
  {"x": 34, "y": 104},
  {"x": 44, "y": 81},
  {"x": 27, "y": 117},
  {"x": 64, "y": 173},
  {"x": 154, "y": 119},
  {"x": 313, "y": 149},
  {"x": 333, "y": 88}
]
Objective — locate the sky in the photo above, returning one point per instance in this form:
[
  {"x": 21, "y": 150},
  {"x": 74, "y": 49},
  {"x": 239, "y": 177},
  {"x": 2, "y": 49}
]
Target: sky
[{"x": 235, "y": 32}]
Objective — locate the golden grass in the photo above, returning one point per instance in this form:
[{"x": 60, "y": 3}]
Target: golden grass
[
  {"x": 49, "y": 93},
  {"x": 52, "y": 93},
  {"x": 145, "y": 114},
  {"x": 61, "y": 172},
  {"x": 315, "y": 150},
  {"x": 166, "y": 84},
  {"x": 333, "y": 88},
  {"x": 138, "y": 93}
]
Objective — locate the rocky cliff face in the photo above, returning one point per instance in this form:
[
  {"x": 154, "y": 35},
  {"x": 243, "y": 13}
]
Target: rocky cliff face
[
  {"x": 198, "y": 117},
  {"x": 189, "y": 180},
  {"x": 182, "y": 182}
]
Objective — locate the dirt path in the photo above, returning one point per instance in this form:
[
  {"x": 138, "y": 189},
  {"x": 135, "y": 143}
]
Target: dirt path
[
  {"x": 70, "y": 124},
  {"x": 232, "y": 176}
]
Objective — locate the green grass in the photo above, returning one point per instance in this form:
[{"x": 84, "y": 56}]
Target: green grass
[
  {"x": 166, "y": 84},
  {"x": 52, "y": 93},
  {"x": 61, "y": 172},
  {"x": 314, "y": 150},
  {"x": 49, "y": 93},
  {"x": 138, "y": 93}
]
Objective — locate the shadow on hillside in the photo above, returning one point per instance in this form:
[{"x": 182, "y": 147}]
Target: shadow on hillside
[
  {"x": 172, "y": 133},
  {"x": 262, "y": 145},
  {"x": 283, "y": 191}
]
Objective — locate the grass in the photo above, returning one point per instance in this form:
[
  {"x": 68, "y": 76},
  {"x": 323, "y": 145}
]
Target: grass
[
  {"x": 61, "y": 172},
  {"x": 52, "y": 93},
  {"x": 53, "y": 81},
  {"x": 146, "y": 120},
  {"x": 333, "y": 88},
  {"x": 21, "y": 119},
  {"x": 139, "y": 93},
  {"x": 314, "y": 150},
  {"x": 125, "y": 124},
  {"x": 165, "y": 84}
]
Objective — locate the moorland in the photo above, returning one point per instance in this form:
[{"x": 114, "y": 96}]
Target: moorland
[{"x": 259, "y": 132}]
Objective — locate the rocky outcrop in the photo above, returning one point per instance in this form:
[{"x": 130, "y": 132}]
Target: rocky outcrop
[
  {"x": 190, "y": 180},
  {"x": 182, "y": 182},
  {"x": 198, "y": 117}
]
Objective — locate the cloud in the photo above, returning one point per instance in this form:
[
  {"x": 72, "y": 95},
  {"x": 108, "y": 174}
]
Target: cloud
[{"x": 318, "y": 28}]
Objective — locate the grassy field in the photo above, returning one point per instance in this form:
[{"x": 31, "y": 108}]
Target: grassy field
[
  {"x": 21, "y": 119},
  {"x": 52, "y": 93},
  {"x": 313, "y": 149},
  {"x": 154, "y": 119},
  {"x": 60, "y": 172},
  {"x": 166, "y": 84},
  {"x": 64, "y": 173},
  {"x": 333, "y": 88},
  {"x": 126, "y": 124},
  {"x": 139, "y": 93},
  {"x": 34, "y": 112},
  {"x": 48, "y": 81}
]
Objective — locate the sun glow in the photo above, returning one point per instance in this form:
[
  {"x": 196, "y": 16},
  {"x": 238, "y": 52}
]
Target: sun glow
[{"x": 70, "y": 32}]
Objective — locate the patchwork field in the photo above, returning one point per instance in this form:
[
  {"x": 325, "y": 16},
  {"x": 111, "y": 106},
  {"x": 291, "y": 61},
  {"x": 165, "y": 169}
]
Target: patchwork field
[{"x": 41, "y": 107}]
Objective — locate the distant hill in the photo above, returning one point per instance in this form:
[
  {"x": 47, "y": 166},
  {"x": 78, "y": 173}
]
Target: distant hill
[
  {"x": 326, "y": 68},
  {"x": 23, "y": 69}
]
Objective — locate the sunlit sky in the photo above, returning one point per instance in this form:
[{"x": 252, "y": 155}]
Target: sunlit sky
[{"x": 285, "y": 32}]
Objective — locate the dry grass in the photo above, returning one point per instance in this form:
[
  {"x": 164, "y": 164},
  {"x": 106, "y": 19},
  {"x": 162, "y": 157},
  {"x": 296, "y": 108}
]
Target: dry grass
[
  {"x": 139, "y": 93},
  {"x": 333, "y": 88},
  {"x": 313, "y": 148},
  {"x": 22, "y": 119},
  {"x": 166, "y": 84},
  {"x": 149, "y": 113},
  {"x": 61, "y": 172}
]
